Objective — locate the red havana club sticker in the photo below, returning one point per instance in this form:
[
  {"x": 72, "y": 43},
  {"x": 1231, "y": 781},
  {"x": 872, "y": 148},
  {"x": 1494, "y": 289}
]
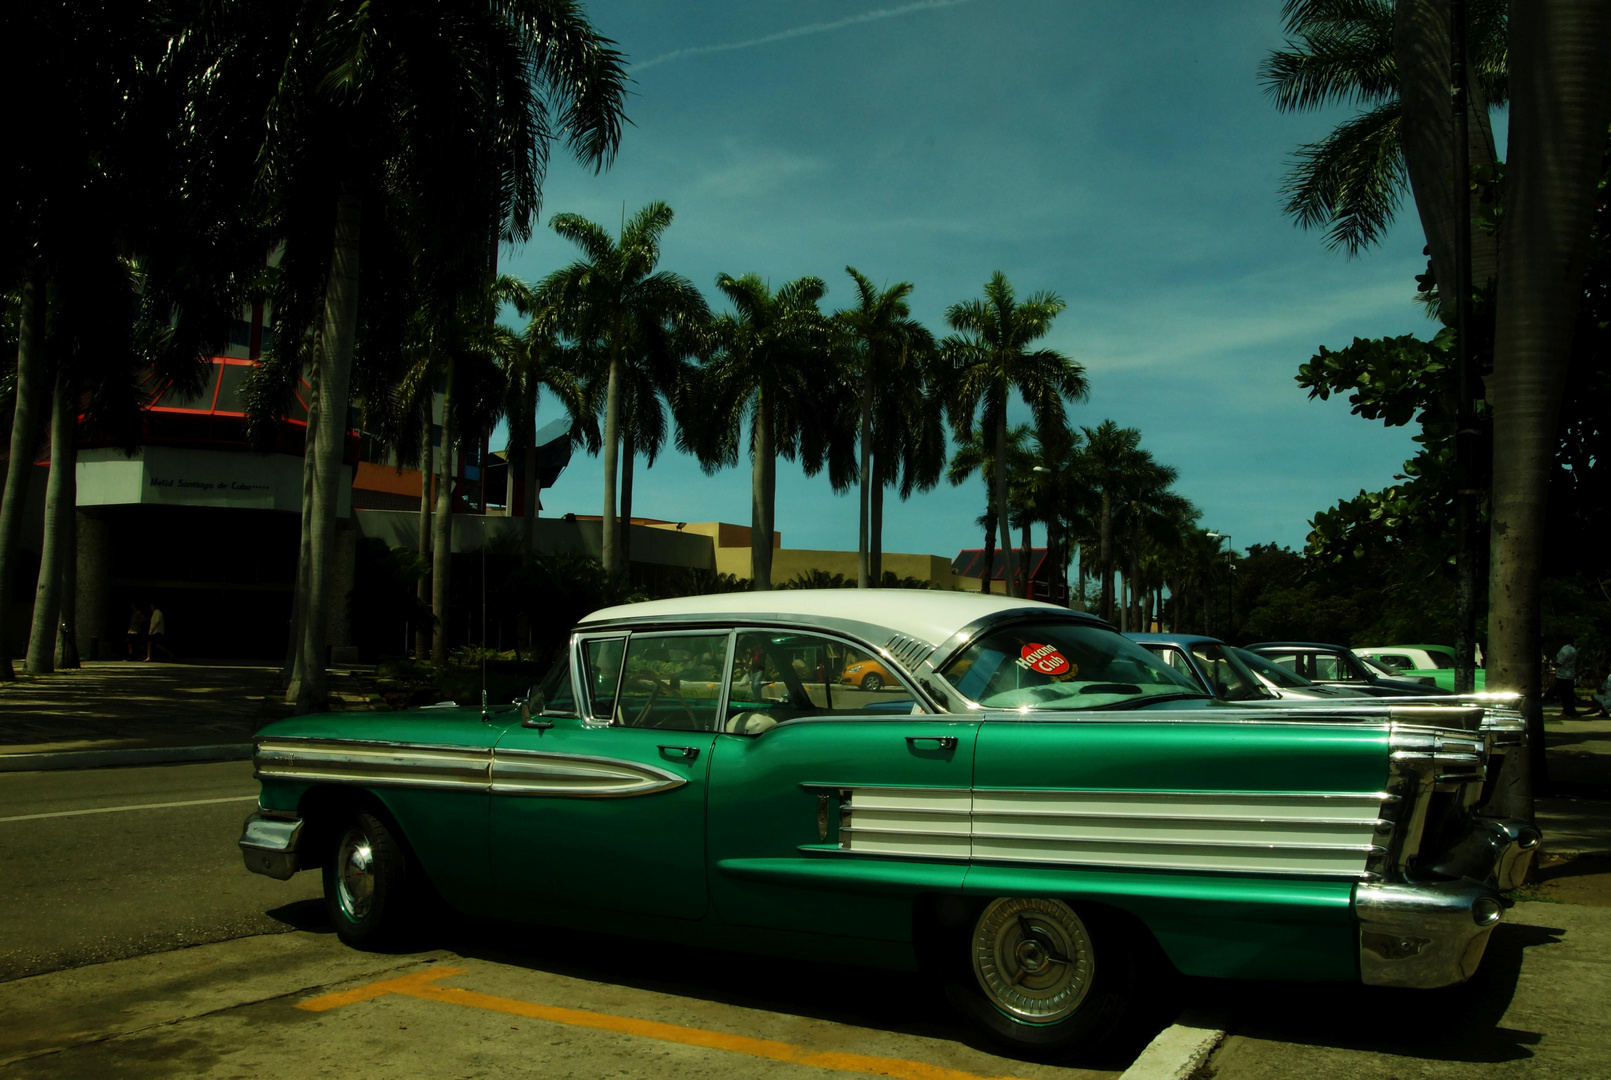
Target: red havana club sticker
[{"x": 1043, "y": 658}]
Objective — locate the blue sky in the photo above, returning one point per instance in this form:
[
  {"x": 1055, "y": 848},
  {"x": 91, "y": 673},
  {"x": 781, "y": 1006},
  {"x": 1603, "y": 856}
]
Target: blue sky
[{"x": 1123, "y": 156}]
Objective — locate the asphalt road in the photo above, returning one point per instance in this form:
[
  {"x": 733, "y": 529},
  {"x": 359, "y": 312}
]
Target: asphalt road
[{"x": 102, "y": 864}]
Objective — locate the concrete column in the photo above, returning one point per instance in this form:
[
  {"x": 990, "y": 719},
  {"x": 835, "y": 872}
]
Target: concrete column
[{"x": 94, "y": 588}]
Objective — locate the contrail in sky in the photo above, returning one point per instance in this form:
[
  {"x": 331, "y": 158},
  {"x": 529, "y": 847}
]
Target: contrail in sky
[{"x": 801, "y": 31}]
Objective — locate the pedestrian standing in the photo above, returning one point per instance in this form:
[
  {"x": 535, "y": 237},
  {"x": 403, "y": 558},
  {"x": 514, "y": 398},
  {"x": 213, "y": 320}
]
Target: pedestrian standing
[
  {"x": 136, "y": 635},
  {"x": 1566, "y": 679},
  {"x": 157, "y": 635}
]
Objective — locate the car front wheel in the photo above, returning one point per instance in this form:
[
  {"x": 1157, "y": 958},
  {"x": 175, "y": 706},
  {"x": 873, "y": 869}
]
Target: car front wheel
[
  {"x": 1040, "y": 980},
  {"x": 367, "y": 891},
  {"x": 872, "y": 681}
]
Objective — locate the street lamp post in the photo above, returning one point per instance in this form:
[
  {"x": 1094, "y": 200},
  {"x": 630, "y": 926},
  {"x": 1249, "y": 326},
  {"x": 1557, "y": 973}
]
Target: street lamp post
[{"x": 1230, "y": 596}]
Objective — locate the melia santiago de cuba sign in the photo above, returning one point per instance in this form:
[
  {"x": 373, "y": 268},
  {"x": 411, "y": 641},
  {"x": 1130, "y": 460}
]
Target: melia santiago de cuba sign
[{"x": 175, "y": 476}]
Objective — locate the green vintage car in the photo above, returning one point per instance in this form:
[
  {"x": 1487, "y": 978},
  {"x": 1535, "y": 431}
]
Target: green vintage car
[{"x": 1040, "y": 811}]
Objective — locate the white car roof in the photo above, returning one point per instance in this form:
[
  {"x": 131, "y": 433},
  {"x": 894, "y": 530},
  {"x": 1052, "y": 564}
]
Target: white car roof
[{"x": 929, "y": 615}]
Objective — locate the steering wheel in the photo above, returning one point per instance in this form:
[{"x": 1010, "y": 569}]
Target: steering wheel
[{"x": 660, "y": 685}]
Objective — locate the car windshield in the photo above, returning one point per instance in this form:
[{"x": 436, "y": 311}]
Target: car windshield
[
  {"x": 1060, "y": 664},
  {"x": 1229, "y": 677},
  {"x": 1381, "y": 671},
  {"x": 1439, "y": 659},
  {"x": 1271, "y": 670}
]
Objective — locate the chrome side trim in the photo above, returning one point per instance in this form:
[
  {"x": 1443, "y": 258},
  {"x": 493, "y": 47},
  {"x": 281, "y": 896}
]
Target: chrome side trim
[
  {"x": 481, "y": 769},
  {"x": 358, "y": 762},
  {"x": 1336, "y": 834},
  {"x": 535, "y": 773}
]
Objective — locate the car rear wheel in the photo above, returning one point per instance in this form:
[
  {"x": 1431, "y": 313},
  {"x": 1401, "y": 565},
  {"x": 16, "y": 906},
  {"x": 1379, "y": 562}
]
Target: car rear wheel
[
  {"x": 1043, "y": 979},
  {"x": 367, "y": 890},
  {"x": 872, "y": 681}
]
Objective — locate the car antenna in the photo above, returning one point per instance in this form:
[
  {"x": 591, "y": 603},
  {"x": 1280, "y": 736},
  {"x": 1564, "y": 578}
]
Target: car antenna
[{"x": 486, "y": 717}]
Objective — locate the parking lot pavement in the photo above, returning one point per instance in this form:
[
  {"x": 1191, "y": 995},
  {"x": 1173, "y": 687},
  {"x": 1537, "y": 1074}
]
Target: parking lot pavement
[
  {"x": 1540, "y": 1006},
  {"x": 289, "y": 1005}
]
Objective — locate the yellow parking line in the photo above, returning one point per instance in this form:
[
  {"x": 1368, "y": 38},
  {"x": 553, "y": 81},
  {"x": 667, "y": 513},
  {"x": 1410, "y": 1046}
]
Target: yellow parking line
[{"x": 421, "y": 985}]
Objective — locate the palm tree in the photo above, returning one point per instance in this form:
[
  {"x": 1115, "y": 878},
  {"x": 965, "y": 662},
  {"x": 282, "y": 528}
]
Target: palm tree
[
  {"x": 622, "y": 313},
  {"x": 1391, "y": 59},
  {"x": 1560, "y": 62},
  {"x": 890, "y": 349},
  {"x": 765, "y": 368},
  {"x": 1114, "y": 458},
  {"x": 988, "y": 358},
  {"x": 976, "y": 455},
  {"x": 427, "y": 121},
  {"x": 909, "y": 441}
]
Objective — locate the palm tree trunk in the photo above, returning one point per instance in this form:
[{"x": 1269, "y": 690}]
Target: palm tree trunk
[
  {"x": 422, "y": 588},
  {"x": 629, "y": 454},
  {"x": 1421, "y": 55},
  {"x": 1104, "y": 557},
  {"x": 1560, "y": 83},
  {"x": 1000, "y": 486},
  {"x": 293, "y": 671},
  {"x": 612, "y": 444},
  {"x": 442, "y": 527},
  {"x": 60, "y": 499},
  {"x": 875, "y": 532},
  {"x": 864, "y": 572},
  {"x": 989, "y": 575},
  {"x": 763, "y": 484},
  {"x": 334, "y": 358},
  {"x": 1028, "y": 560},
  {"x": 24, "y": 429}
]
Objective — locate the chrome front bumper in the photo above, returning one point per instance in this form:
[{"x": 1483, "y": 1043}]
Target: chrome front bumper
[{"x": 269, "y": 843}]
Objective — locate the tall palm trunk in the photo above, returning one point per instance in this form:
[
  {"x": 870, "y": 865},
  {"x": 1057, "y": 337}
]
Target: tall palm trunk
[
  {"x": 1560, "y": 104},
  {"x": 1421, "y": 55},
  {"x": 422, "y": 588},
  {"x": 337, "y": 336},
  {"x": 864, "y": 570},
  {"x": 24, "y": 429},
  {"x": 612, "y": 446},
  {"x": 875, "y": 530},
  {"x": 989, "y": 575},
  {"x": 1104, "y": 556},
  {"x": 442, "y": 526},
  {"x": 60, "y": 506},
  {"x": 1000, "y": 487},
  {"x": 763, "y": 483},
  {"x": 1028, "y": 560},
  {"x": 293, "y": 671},
  {"x": 629, "y": 455}
]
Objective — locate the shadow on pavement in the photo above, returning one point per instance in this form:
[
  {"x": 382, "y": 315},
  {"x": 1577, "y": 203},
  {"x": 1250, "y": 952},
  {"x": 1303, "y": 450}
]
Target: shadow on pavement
[{"x": 1459, "y": 1023}]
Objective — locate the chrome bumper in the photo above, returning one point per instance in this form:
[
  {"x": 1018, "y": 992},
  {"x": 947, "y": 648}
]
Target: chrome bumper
[
  {"x": 268, "y": 844},
  {"x": 1424, "y": 935}
]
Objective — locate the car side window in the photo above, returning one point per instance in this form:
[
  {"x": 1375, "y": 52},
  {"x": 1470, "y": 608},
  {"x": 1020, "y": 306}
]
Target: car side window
[
  {"x": 671, "y": 681},
  {"x": 601, "y": 673},
  {"x": 1396, "y": 662},
  {"x": 781, "y": 675},
  {"x": 1332, "y": 668},
  {"x": 1176, "y": 659}
]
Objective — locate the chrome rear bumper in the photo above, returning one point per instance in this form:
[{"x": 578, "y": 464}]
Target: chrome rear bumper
[{"x": 1424, "y": 935}]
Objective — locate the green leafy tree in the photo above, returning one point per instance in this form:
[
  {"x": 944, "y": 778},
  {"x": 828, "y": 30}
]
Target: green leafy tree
[{"x": 988, "y": 359}]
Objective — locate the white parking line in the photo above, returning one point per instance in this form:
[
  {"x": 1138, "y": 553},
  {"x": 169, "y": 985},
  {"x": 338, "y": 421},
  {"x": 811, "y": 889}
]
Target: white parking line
[{"x": 137, "y": 806}]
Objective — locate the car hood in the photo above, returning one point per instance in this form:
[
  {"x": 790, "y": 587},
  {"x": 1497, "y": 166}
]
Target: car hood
[{"x": 435, "y": 726}]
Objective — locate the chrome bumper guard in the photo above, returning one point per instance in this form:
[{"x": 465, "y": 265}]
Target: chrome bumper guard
[
  {"x": 268, "y": 844},
  {"x": 1497, "y": 852},
  {"x": 1424, "y": 936}
]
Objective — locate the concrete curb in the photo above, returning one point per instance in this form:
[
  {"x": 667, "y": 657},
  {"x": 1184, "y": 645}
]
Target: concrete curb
[
  {"x": 1179, "y": 1050},
  {"x": 143, "y": 755}
]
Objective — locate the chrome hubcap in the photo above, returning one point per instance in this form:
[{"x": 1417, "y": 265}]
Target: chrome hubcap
[
  {"x": 1033, "y": 959},
  {"x": 355, "y": 879}
]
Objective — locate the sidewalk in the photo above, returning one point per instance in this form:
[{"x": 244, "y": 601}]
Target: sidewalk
[{"x": 114, "y": 712}]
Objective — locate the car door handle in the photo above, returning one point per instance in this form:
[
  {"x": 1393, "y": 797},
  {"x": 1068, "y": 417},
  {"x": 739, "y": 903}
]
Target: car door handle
[
  {"x": 687, "y": 753},
  {"x": 921, "y": 742}
]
